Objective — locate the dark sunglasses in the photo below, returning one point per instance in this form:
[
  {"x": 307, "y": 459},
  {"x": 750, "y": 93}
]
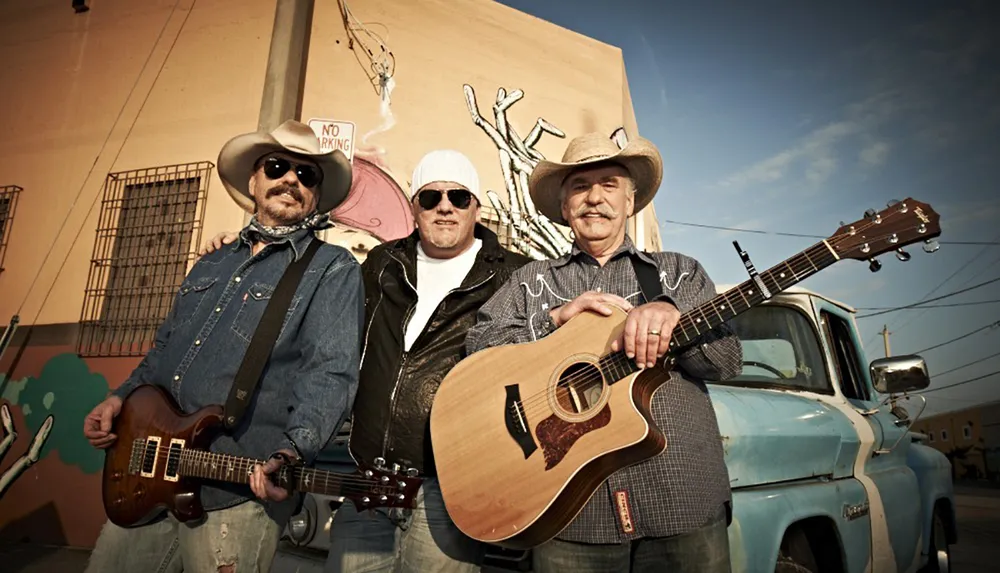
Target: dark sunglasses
[
  {"x": 460, "y": 198},
  {"x": 276, "y": 167}
]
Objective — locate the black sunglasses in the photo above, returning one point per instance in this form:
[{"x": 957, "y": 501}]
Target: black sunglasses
[
  {"x": 460, "y": 198},
  {"x": 276, "y": 167}
]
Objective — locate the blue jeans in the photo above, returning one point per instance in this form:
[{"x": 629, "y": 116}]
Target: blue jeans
[
  {"x": 704, "y": 550},
  {"x": 244, "y": 537},
  {"x": 421, "y": 540}
]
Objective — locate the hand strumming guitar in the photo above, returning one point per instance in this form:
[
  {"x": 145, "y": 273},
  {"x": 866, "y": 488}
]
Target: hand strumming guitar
[{"x": 97, "y": 424}]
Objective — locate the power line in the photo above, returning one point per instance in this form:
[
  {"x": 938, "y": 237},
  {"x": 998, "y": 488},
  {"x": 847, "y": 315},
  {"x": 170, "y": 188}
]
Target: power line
[
  {"x": 802, "y": 235},
  {"x": 922, "y": 306},
  {"x": 921, "y": 302},
  {"x": 980, "y": 329},
  {"x": 976, "y": 379},
  {"x": 984, "y": 359}
]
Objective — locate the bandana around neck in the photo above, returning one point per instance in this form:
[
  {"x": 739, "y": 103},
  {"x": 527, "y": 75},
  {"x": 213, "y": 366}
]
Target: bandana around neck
[{"x": 315, "y": 222}]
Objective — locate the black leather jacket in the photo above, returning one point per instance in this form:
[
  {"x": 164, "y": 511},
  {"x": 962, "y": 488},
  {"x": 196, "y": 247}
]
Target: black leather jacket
[{"x": 391, "y": 416}]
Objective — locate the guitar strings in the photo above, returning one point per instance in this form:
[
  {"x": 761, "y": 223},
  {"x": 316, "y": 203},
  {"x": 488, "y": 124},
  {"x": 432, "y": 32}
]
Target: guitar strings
[
  {"x": 190, "y": 457},
  {"x": 590, "y": 379}
]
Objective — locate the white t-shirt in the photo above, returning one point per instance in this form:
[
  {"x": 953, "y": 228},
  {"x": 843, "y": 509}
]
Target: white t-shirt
[{"x": 435, "y": 279}]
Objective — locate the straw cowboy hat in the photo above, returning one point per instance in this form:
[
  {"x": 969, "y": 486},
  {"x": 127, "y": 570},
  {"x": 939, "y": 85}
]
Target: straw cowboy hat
[
  {"x": 239, "y": 154},
  {"x": 639, "y": 156}
]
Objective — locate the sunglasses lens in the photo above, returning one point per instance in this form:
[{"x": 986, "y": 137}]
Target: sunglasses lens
[
  {"x": 429, "y": 199},
  {"x": 307, "y": 175},
  {"x": 460, "y": 198},
  {"x": 275, "y": 167}
]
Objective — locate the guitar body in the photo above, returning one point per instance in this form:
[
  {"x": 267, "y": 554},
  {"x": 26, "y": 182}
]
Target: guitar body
[
  {"x": 136, "y": 487},
  {"x": 524, "y": 434}
]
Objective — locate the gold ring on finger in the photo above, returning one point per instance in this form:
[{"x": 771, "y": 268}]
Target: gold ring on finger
[{"x": 654, "y": 332}]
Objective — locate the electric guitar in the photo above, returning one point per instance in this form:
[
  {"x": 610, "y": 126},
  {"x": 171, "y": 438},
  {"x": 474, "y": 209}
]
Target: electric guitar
[
  {"x": 521, "y": 442},
  {"x": 160, "y": 458}
]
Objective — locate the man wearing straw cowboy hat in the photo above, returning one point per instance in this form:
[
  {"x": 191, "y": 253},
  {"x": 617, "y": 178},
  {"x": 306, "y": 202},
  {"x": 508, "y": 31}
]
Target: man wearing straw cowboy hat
[
  {"x": 303, "y": 396},
  {"x": 670, "y": 512}
]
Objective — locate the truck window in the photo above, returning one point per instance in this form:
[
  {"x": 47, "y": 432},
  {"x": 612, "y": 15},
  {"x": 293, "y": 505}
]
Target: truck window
[
  {"x": 780, "y": 348},
  {"x": 848, "y": 366}
]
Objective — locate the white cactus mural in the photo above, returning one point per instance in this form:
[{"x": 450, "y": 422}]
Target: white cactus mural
[
  {"x": 531, "y": 233},
  {"x": 29, "y": 457}
]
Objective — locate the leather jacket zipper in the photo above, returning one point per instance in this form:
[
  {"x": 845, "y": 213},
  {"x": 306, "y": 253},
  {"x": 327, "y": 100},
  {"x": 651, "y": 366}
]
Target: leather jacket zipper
[{"x": 402, "y": 364}]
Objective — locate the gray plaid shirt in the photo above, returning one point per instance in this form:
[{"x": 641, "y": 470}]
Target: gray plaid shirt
[{"x": 686, "y": 486}]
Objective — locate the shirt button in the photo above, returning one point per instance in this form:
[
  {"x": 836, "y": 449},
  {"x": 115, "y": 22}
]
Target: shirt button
[
  {"x": 217, "y": 309},
  {"x": 237, "y": 279},
  {"x": 197, "y": 343},
  {"x": 177, "y": 377}
]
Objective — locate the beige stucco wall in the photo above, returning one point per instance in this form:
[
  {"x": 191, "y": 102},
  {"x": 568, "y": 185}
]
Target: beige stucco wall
[
  {"x": 163, "y": 83},
  {"x": 71, "y": 80}
]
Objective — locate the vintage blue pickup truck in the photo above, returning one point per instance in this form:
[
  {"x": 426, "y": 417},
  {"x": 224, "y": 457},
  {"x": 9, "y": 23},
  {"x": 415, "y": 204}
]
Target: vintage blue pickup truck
[{"x": 825, "y": 474}]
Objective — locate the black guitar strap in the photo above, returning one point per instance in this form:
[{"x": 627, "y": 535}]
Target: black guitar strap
[
  {"x": 264, "y": 337},
  {"x": 649, "y": 278}
]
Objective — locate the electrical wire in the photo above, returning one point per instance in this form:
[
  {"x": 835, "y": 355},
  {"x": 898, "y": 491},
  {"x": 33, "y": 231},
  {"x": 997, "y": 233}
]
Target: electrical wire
[
  {"x": 922, "y": 306},
  {"x": 964, "y": 336},
  {"x": 802, "y": 235},
  {"x": 983, "y": 359},
  {"x": 917, "y": 304},
  {"x": 976, "y": 379}
]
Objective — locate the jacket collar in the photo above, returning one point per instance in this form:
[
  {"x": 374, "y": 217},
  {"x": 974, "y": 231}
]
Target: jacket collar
[
  {"x": 299, "y": 240},
  {"x": 405, "y": 250}
]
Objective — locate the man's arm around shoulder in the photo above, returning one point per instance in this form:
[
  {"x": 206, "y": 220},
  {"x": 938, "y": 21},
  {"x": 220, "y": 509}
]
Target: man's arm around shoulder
[{"x": 324, "y": 390}]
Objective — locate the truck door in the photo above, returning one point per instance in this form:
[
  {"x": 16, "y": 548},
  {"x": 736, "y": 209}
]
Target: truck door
[{"x": 885, "y": 461}]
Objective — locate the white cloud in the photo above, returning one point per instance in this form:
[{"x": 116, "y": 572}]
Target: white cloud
[{"x": 875, "y": 154}]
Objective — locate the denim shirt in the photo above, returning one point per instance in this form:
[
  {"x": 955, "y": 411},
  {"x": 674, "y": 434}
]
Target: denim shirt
[{"x": 309, "y": 385}]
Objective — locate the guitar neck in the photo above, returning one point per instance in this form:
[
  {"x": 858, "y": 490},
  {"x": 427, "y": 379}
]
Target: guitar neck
[
  {"x": 233, "y": 469},
  {"x": 733, "y": 302}
]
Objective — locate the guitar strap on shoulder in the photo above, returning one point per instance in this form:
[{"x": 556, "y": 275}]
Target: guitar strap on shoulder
[
  {"x": 257, "y": 354},
  {"x": 648, "y": 276}
]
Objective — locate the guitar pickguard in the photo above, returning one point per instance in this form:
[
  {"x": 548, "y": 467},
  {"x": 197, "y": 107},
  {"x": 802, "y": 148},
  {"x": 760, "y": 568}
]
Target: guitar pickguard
[{"x": 557, "y": 436}]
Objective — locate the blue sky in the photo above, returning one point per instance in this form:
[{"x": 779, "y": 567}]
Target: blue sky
[{"x": 791, "y": 117}]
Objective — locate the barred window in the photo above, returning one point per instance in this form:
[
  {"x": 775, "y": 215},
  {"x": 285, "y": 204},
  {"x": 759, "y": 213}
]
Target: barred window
[
  {"x": 148, "y": 233},
  {"x": 8, "y": 202}
]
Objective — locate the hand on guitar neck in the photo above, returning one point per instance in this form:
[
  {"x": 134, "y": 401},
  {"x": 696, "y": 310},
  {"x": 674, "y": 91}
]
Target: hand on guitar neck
[{"x": 648, "y": 328}]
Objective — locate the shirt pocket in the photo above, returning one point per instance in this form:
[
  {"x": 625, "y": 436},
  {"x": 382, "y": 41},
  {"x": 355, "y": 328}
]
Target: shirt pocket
[
  {"x": 190, "y": 299},
  {"x": 252, "y": 310}
]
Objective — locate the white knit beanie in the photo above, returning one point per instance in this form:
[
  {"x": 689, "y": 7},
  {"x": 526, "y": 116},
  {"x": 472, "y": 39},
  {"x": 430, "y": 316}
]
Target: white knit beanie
[{"x": 446, "y": 165}]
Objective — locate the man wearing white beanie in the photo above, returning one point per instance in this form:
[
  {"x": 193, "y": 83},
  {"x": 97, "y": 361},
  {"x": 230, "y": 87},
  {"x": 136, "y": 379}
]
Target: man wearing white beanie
[{"x": 422, "y": 294}]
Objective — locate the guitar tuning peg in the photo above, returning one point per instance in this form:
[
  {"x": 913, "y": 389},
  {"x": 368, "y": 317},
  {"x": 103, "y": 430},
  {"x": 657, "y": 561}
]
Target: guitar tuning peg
[
  {"x": 380, "y": 463},
  {"x": 902, "y": 255},
  {"x": 874, "y": 265},
  {"x": 892, "y": 203},
  {"x": 412, "y": 472},
  {"x": 396, "y": 468},
  {"x": 870, "y": 212},
  {"x": 931, "y": 246}
]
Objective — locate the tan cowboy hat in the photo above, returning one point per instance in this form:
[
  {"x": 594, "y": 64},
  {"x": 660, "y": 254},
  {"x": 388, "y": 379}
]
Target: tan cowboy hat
[
  {"x": 239, "y": 154},
  {"x": 639, "y": 156}
]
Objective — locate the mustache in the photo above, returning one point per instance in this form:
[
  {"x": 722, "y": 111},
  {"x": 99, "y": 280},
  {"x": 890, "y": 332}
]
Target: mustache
[
  {"x": 603, "y": 210},
  {"x": 282, "y": 188}
]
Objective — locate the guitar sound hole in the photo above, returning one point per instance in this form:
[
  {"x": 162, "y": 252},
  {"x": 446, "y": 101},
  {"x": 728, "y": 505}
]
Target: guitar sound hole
[{"x": 580, "y": 387}]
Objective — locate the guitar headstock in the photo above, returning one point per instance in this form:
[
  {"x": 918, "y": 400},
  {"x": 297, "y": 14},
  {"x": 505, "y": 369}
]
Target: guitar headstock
[
  {"x": 382, "y": 486},
  {"x": 901, "y": 223}
]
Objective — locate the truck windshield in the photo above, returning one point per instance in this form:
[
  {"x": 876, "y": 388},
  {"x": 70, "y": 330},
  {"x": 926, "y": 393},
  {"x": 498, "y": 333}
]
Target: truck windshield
[{"x": 779, "y": 349}]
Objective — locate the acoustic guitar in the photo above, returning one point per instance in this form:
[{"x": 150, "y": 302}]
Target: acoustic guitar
[
  {"x": 523, "y": 434},
  {"x": 160, "y": 459}
]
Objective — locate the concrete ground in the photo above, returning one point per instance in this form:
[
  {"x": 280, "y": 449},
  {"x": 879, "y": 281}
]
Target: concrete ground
[{"x": 977, "y": 551}]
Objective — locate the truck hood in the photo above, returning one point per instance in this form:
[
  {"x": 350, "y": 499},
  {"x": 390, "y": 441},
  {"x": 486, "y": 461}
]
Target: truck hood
[{"x": 774, "y": 436}]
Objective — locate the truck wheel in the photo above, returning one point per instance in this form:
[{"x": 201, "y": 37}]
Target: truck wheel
[
  {"x": 795, "y": 555},
  {"x": 939, "y": 554}
]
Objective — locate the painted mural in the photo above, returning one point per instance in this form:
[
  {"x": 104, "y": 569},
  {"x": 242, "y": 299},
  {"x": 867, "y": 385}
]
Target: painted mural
[{"x": 530, "y": 232}]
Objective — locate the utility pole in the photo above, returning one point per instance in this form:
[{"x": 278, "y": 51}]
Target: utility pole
[{"x": 885, "y": 338}]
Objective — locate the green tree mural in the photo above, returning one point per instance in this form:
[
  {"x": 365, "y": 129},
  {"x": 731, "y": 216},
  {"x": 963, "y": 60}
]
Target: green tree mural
[{"x": 66, "y": 390}]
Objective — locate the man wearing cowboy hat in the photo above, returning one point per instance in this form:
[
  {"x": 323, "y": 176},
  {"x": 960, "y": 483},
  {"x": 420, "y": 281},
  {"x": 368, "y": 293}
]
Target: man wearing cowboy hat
[
  {"x": 671, "y": 510},
  {"x": 309, "y": 384}
]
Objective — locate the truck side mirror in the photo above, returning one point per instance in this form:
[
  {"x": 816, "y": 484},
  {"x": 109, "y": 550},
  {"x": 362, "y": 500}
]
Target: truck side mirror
[{"x": 899, "y": 374}]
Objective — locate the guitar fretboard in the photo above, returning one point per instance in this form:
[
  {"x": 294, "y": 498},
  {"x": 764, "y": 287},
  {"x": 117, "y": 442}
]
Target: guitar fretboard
[
  {"x": 733, "y": 302},
  {"x": 223, "y": 467}
]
